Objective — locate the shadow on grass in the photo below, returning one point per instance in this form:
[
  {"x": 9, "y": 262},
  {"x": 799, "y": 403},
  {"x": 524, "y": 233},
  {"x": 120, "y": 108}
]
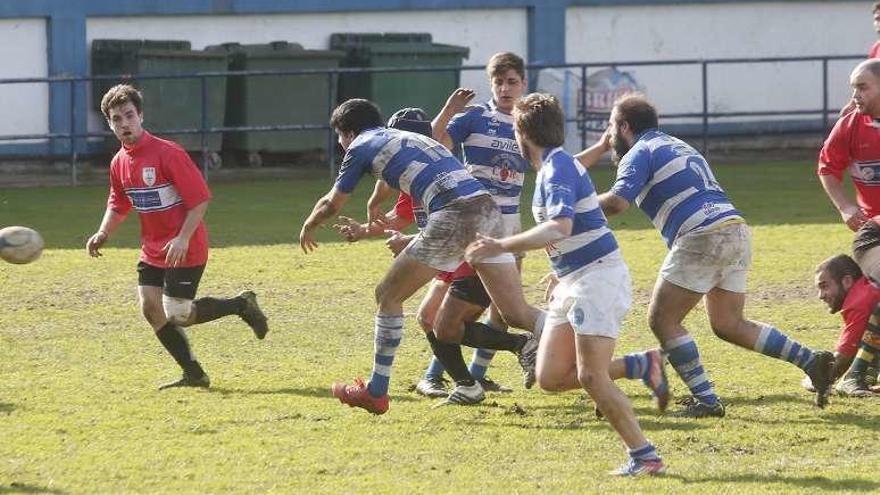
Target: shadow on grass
[
  {"x": 6, "y": 407},
  {"x": 16, "y": 487},
  {"x": 820, "y": 482},
  {"x": 320, "y": 392}
]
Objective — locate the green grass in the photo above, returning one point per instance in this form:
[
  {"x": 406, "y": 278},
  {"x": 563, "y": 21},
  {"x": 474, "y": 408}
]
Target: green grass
[{"x": 79, "y": 412}]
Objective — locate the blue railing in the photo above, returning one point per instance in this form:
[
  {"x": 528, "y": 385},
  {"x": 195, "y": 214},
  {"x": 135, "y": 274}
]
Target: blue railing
[{"x": 75, "y": 139}]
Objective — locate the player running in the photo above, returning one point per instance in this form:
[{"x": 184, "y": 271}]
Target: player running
[
  {"x": 457, "y": 207},
  {"x": 593, "y": 295},
  {"x": 158, "y": 179},
  {"x": 710, "y": 251}
]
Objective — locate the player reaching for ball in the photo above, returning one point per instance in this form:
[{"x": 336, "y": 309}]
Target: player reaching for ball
[{"x": 158, "y": 179}]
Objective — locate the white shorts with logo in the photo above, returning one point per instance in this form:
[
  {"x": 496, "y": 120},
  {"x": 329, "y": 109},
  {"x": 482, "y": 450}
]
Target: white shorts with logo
[
  {"x": 593, "y": 300},
  {"x": 511, "y": 224},
  {"x": 701, "y": 261}
]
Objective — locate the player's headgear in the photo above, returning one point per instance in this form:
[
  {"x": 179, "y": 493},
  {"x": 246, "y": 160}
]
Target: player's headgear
[{"x": 411, "y": 119}]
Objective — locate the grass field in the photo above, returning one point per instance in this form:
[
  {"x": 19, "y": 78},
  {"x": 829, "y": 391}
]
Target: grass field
[{"x": 80, "y": 413}]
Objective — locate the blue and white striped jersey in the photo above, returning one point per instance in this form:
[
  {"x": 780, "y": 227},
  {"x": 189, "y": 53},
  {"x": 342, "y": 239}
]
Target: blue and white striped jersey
[
  {"x": 409, "y": 162},
  {"x": 672, "y": 183},
  {"x": 563, "y": 188},
  {"x": 491, "y": 154}
]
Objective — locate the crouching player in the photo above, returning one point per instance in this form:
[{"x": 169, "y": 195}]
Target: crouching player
[
  {"x": 159, "y": 180},
  {"x": 588, "y": 305}
]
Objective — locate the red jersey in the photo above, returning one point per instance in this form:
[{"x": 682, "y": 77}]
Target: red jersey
[
  {"x": 162, "y": 183},
  {"x": 874, "y": 52},
  {"x": 854, "y": 145},
  {"x": 860, "y": 301}
]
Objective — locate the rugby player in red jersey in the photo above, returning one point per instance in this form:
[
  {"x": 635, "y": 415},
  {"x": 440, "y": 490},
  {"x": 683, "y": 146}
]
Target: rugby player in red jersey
[{"x": 159, "y": 180}]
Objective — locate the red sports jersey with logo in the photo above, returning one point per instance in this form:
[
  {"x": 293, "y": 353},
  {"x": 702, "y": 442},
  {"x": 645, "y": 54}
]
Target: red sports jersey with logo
[
  {"x": 860, "y": 301},
  {"x": 854, "y": 145},
  {"x": 162, "y": 183}
]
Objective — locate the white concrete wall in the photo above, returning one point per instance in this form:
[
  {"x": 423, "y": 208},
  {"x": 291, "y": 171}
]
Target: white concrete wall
[
  {"x": 25, "y": 107},
  {"x": 485, "y": 32},
  {"x": 727, "y": 30}
]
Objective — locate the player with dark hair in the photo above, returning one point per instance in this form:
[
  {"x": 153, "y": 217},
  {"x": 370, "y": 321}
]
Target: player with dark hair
[
  {"x": 457, "y": 207},
  {"x": 709, "y": 250},
  {"x": 841, "y": 285},
  {"x": 593, "y": 294},
  {"x": 158, "y": 179}
]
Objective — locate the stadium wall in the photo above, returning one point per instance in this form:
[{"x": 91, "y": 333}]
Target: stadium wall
[{"x": 51, "y": 37}]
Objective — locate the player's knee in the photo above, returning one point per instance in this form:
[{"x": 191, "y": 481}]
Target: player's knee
[
  {"x": 153, "y": 313},
  {"x": 588, "y": 379},
  {"x": 724, "y": 328},
  {"x": 549, "y": 382},
  {"x": 426, "y": 321},
  {"x": 177, "y": 310}
]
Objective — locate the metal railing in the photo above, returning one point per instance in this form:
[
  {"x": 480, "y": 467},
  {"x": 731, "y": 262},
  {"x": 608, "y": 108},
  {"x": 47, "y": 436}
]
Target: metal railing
[{"x": 76, "y": 137}]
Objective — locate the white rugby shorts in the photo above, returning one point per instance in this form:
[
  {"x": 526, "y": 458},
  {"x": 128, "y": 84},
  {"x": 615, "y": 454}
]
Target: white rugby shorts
[
  {"x": 593, "y": 300},
  {"x": 701, "y": 261}
]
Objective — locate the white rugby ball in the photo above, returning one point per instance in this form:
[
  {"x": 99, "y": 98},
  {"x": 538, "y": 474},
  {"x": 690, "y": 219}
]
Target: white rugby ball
[{"x": 20, "y": 244}]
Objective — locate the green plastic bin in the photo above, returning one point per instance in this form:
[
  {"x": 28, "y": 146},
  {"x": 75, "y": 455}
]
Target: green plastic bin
[
  {"x": 276, "y": 100},
  {"x": 168, "y": 103},
  {"x": 394, "y": 90}
]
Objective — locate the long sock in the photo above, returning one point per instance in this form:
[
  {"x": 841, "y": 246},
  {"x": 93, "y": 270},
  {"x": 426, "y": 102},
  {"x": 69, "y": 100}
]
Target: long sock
[
  {"x": 482, "y": 336},
  {"x": 646, "y": 452},
  {"x": 480, "y": 362},
  {"x": 771, "y": 342},
  {"x": 685, "y": 359},
  {"x": 450, "y": 356},
  {"x": 637, "y": 365},
  {"x": 211, "y": 308},
  {"x": 174, "y": 340},
  {"x": 387, "y": 337},
  {"x": 435, "y": 369},
  {"x": 869, "y": 348}
]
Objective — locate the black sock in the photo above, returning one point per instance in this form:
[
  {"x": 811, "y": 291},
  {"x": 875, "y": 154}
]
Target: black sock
[
  {"x": 172, "y": 338},
  {"x": 211, "y": 308},
  {"x": 450, "y": 357},
  {"x": 482, "y": 336}
]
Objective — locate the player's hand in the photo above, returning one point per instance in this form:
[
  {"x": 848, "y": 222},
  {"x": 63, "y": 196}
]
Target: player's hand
[
  {"x": 459, "y": 99},
  {"x": 350, "y": 229},
  {"x": 396, "y": 242},
  {"x": 853, "y": 217},
  {"x": 483, "y": 247},
  {"x": 552, "y": 281},
  {"x": 307, "y": 240},
  {"x": 175, "y": 251},
  {"x": 850, "y": 106},
  {"x": 375, "y": 216},
  {"x": 605, "y": 140},
  {"x": 95, "y": 242}
]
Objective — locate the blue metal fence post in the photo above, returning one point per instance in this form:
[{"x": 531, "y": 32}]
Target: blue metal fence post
[
  {"x": 204, "y": 126},
  {"x": 73, "y": 171},
  {"x": 332, "y": 80},
  {"x": 705, "y": 71},
  {"x": 582, "y": 121},
  {"x": 824, "y": 96}
]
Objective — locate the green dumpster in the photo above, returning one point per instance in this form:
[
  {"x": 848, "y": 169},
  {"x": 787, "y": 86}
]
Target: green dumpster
[
  {"x": 168, "y": 103},
  {"x": 256, "y": 100},
  {"x": 394, "y": 90}
]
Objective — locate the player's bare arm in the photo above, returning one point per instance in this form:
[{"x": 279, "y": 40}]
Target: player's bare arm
[
  {"x": 327, "y": 207},
  {"x": 109, "y": 223},
  {"x": 456, "y": 103},
  {"x": 591, "y": 155},
  {"x": 381, "y": 193},
  {"x": 536, "y": 237},
  {"x": 852, "y": 215},
  {"x": 353, "y": 231},
  {"x": 612, "y": 204},
  {"x": 176, "y": 249}
]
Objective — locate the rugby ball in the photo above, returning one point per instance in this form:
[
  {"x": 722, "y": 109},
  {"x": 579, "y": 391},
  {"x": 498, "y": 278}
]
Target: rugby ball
[{"x": 20, "y": 245}]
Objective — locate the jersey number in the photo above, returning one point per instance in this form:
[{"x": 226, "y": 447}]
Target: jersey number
[{"x": 699, "y": 166}]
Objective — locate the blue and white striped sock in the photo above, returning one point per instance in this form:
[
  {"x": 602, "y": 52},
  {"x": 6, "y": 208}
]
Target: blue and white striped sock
[
  {"x": 685, "y": 358},
  {"x": 480, "y": 362},
  {"x": 636, "y": 365},
  {"x": 771, "y": 342},
  {"x": 388, "y": 334},
  {"x": 435, "y": 369},
  {"x": 646, "y": 452}
]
